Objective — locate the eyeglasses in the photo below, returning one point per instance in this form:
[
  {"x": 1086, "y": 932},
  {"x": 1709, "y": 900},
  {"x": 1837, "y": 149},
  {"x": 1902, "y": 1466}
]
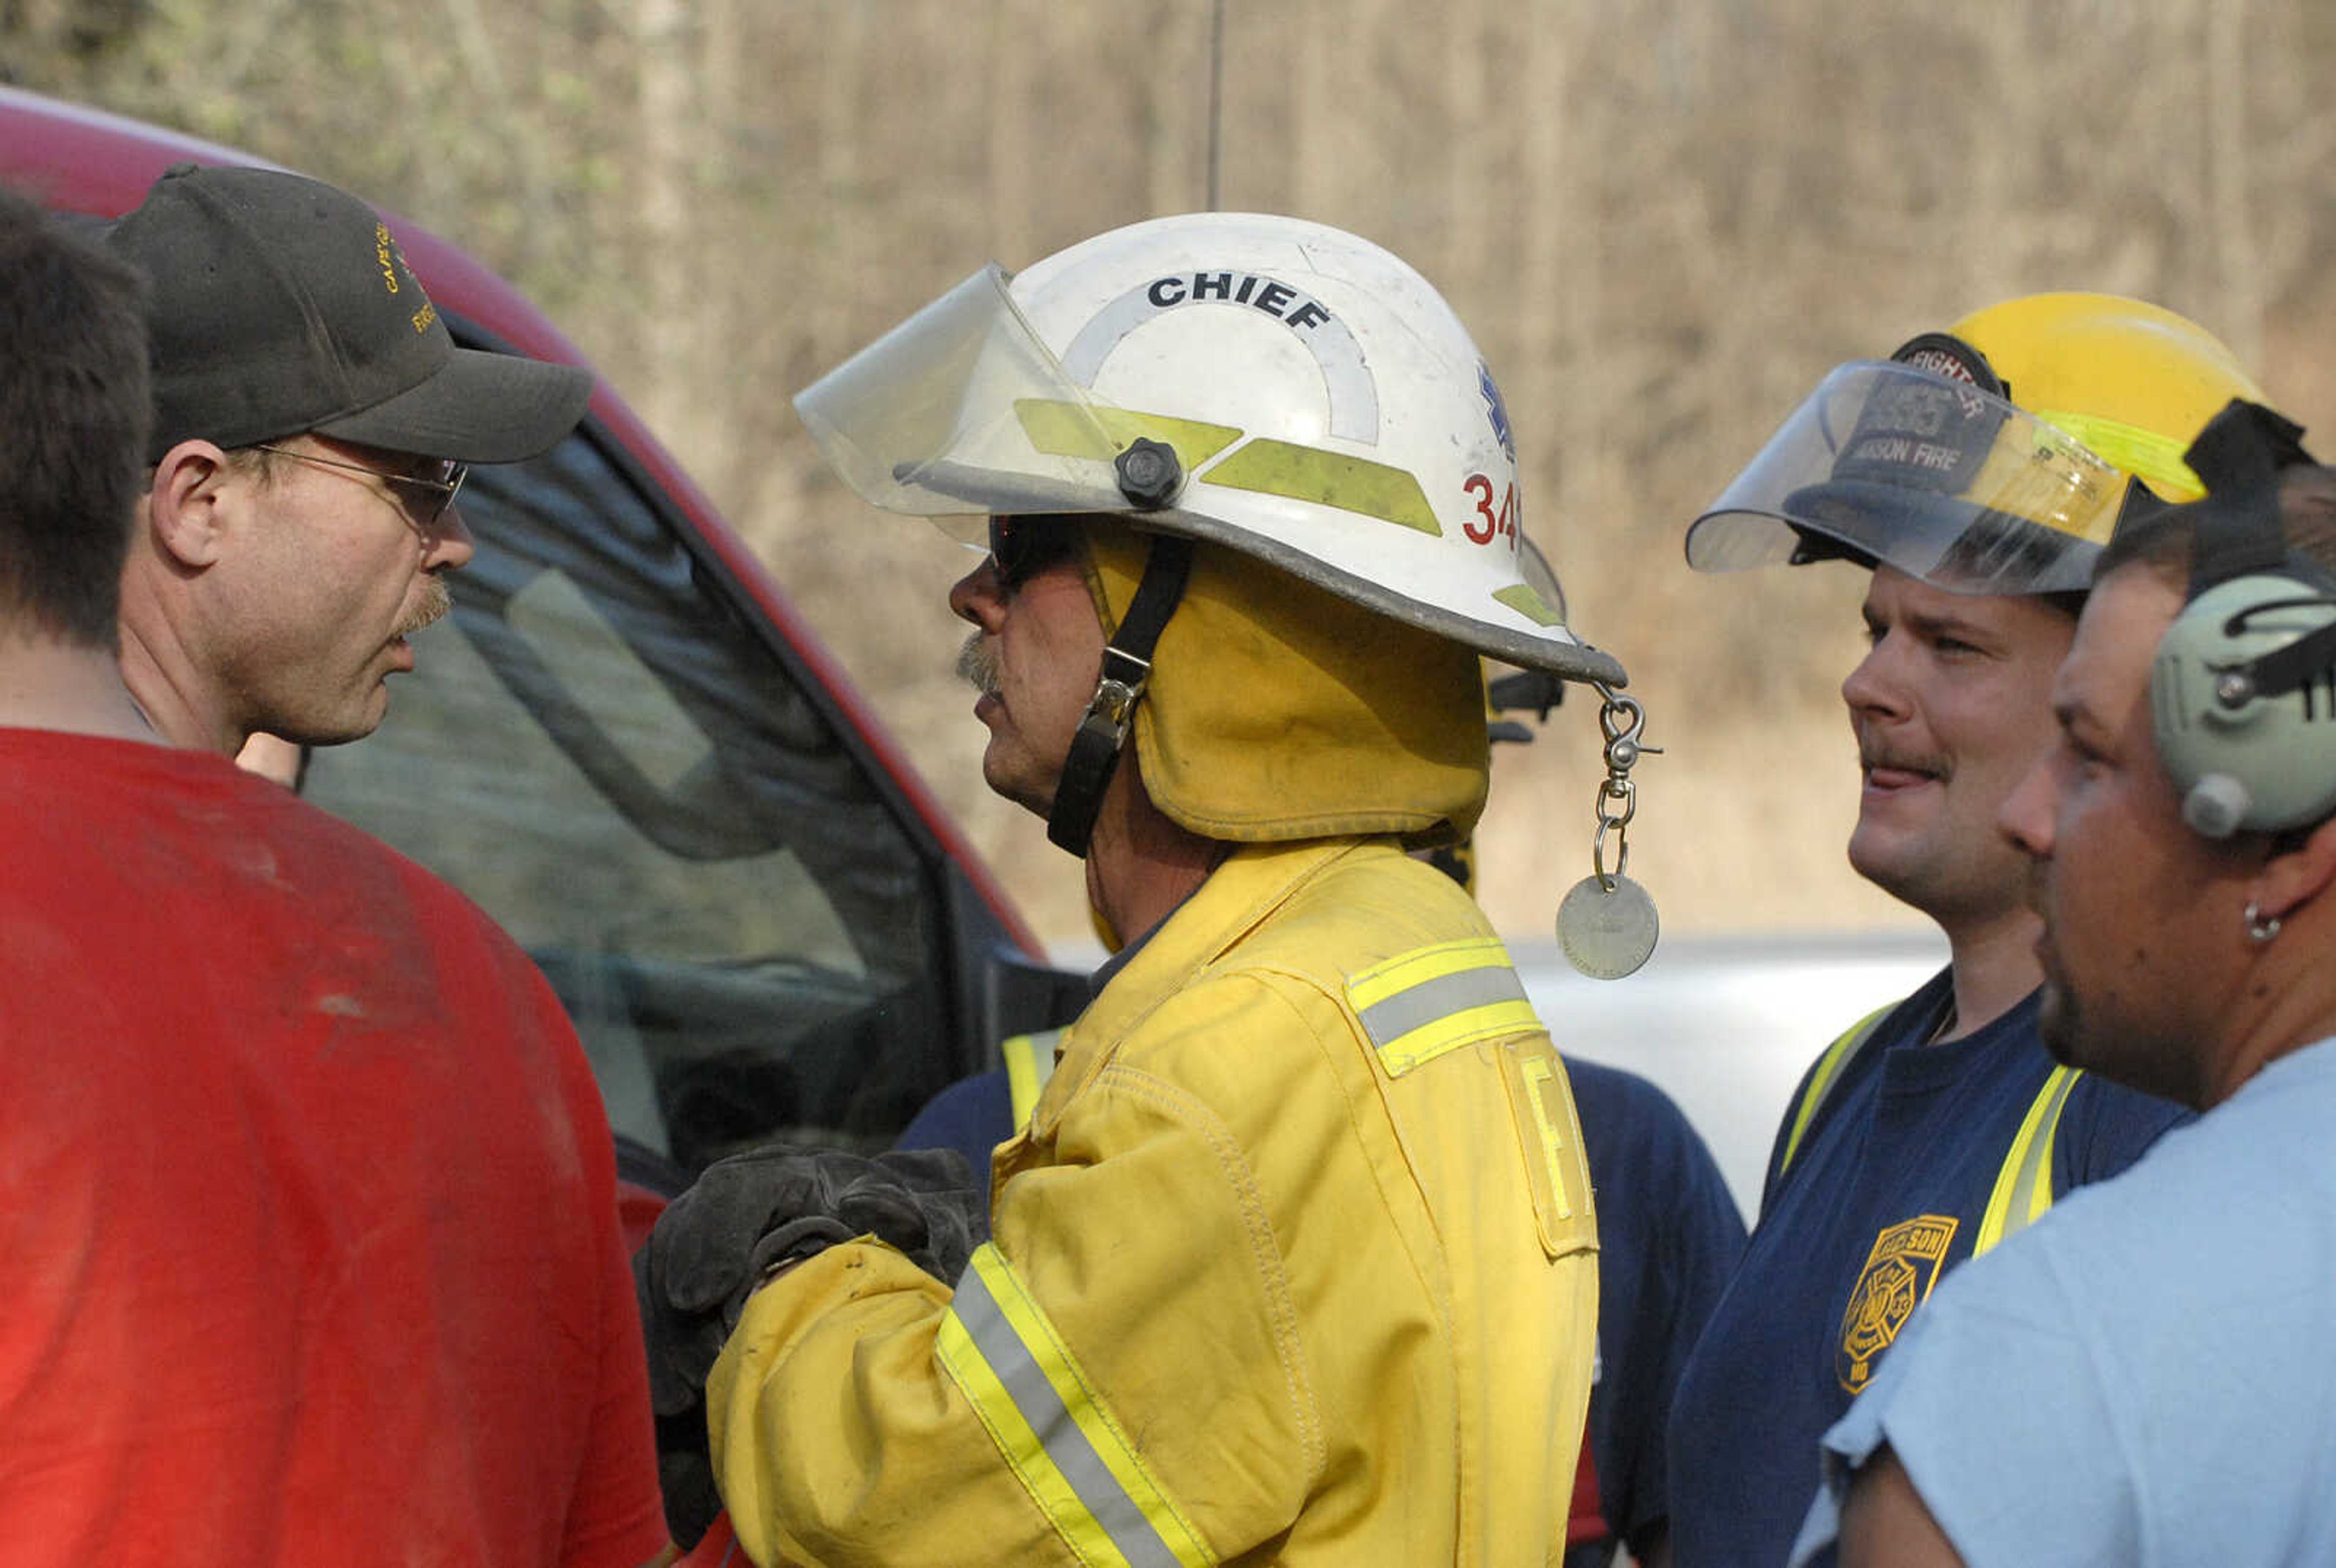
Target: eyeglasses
[
  {"x": 1023, "y": 547},
  {"x": 420, "y": 499}
]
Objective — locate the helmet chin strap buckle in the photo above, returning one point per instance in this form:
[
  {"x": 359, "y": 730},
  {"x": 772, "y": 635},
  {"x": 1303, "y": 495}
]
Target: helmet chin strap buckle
[
  {"x": 1096, "y": 748},
  {"x": 1103, "y": 732},
  {"x": 1111, "y": 712}
]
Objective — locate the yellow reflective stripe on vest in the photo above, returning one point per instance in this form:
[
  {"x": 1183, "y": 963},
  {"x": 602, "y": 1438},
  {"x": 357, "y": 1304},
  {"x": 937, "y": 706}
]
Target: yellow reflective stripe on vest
[
  {"x": 2023, "y": 1188},
  {"x": 1422, "y": 1004},
  {"x": 1029, "y": 1063},
  {"x": 1052, "y": 1427},
  {"x": 1829, "y": 1066}
]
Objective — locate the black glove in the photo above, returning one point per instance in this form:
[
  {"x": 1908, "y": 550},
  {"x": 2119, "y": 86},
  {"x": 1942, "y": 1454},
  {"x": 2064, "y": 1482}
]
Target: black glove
[{"x": 746, "y": 1215}]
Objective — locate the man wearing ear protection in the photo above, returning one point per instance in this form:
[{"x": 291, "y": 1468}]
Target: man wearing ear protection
[
  {"x": 1294, "y": 1261},
  {"x": 2147, "y": 1378},
  {"x": 1976, "y": 474}
]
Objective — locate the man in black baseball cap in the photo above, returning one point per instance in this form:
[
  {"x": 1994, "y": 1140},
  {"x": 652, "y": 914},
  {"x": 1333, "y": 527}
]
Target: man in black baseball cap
[{"x": 313, "y": 424}]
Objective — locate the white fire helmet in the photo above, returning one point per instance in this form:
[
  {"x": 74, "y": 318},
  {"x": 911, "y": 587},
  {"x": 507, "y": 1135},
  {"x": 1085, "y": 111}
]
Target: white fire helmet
[{"x": 1327, "y": 410}]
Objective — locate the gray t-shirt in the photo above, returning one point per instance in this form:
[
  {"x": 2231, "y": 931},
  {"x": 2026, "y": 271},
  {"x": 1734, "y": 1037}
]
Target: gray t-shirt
[{"x": 2147, "y": 1376}]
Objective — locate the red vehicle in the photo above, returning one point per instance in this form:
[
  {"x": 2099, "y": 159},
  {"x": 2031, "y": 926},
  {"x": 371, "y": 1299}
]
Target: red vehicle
[{"x": 629, "y": 750}]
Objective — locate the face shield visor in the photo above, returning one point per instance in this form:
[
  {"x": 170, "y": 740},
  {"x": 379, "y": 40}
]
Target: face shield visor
[
  {"x": 1939, "y": 478},
  {"x": 962, "y": 410},
  {"x": 1539, "y": 576}
]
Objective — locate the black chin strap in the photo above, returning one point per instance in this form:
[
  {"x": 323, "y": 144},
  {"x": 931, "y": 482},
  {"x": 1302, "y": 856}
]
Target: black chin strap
[
  {"x": 2238, "y": 458},
  {"x": 1126, "y": 667}
]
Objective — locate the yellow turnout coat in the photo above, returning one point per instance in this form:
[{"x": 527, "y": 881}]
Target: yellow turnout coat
[{"x": 1295, "y": 1265}]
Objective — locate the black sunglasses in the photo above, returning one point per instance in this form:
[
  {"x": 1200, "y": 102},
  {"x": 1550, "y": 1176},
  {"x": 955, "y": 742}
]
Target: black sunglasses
[{"x": 1023, "y": 547}]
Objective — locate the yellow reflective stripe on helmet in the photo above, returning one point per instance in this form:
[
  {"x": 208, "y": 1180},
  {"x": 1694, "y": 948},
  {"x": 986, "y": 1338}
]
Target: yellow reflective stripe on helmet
[
  {"x": 1829, "y": 1066},
  {"x": 1330, "y": 478},
  {"x": 1061, "y": 429},
  {"x": 2146, "y": 455},
  {"x": 1520, "y": 598},
  {"x": 1029, "y": 1063},
  {"x": 1424, "y": 1003},
  {"x": 2023, "y": 1188},
  {"x": 1265, "y": 467},
  {"x": 1051, "y": 1427}
]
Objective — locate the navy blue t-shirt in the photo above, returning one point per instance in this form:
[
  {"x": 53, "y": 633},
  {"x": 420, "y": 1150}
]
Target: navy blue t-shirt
[
  {"x": 972, "y": 1116},
  {"x": 1884, "y": 1195},
  {"x": 1669, "y": 1235}
]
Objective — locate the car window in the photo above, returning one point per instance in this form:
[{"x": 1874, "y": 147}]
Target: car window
[{"x": 603, "y": 750}]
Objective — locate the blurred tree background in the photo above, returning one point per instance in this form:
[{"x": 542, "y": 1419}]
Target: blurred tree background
[{"x": 1664, "y": 219}]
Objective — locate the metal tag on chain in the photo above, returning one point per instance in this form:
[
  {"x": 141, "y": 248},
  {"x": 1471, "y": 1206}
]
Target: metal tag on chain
[
  {"x": 1607, "y": 925},
  {"x": 1607, "y": 932}
]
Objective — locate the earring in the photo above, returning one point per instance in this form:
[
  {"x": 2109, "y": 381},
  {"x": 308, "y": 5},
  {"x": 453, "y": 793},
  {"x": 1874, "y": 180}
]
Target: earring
[{"x": 2260, "y": 929}]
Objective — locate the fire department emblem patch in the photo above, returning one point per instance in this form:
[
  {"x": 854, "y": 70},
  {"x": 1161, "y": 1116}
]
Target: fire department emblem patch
[
  {"x": 1496, "y": 410},
  {"x": 1898, "y": 1275}
]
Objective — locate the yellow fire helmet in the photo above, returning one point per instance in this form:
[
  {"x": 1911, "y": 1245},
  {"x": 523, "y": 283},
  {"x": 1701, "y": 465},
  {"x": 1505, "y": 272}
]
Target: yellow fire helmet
[
  {"x": 1261, "y": 387},
  {"x": 1995, "y": 457}
]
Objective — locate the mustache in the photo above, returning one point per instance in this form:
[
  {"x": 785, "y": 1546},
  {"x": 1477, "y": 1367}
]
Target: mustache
[
  {"x": 1876, "y": 753},
  {"x": 436, "y": 600},
  {"x": 977, "y": 663}
]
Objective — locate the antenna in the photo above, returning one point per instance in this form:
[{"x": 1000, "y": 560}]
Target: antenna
[{"x": 1216, "y": 98}]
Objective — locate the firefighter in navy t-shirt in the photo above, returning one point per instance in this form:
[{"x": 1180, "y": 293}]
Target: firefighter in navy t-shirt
[{"x": 1977, "y": 473}]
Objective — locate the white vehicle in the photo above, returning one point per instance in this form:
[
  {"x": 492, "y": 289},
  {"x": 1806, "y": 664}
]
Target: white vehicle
[{"x": 1727, "y": 1026}]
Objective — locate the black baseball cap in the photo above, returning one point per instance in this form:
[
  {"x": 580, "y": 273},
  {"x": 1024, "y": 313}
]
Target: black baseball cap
[{"x": 282, "y": 306}]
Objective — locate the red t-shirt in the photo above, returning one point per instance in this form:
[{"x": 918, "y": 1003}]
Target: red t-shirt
[{"x": 307, "y": 1198}]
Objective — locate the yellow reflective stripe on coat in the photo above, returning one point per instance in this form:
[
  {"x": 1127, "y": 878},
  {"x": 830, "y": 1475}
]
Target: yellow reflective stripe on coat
[
  {"x": 1053, "y": 1430},
  {"x": 1829, "y": 1066},
  {"x": 2023, "y": 1188},
  {"x": 1029, "y": 1063},
  {"x": 1417, "y": 1007}
]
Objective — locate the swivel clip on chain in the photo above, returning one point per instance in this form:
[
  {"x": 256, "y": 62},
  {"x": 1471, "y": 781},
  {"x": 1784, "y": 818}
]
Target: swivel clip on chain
[{"x": 1607, "y": 925}]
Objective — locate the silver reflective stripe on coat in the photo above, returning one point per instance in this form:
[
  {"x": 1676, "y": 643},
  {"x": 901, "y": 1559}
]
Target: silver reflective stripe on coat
[
  {"x": 1416, "y": 1005},
  {"x": 1042, "y": 1412}
]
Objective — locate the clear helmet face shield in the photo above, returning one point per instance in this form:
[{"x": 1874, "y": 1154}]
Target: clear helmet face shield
[
  {"x": 962, "y": 409},
  {"x": 1315, "y": 427},
  {"x": 1939, "y": 477}
]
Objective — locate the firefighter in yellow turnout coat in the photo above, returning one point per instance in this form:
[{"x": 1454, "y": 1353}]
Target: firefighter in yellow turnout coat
[
  {"x": 1261, "y": 1288},
  {"x": 1296, "y": 1261}
]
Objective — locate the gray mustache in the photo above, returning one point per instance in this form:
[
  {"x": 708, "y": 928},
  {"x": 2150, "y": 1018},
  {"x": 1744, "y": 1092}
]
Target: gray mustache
[{"x": 977, "y": 664}]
